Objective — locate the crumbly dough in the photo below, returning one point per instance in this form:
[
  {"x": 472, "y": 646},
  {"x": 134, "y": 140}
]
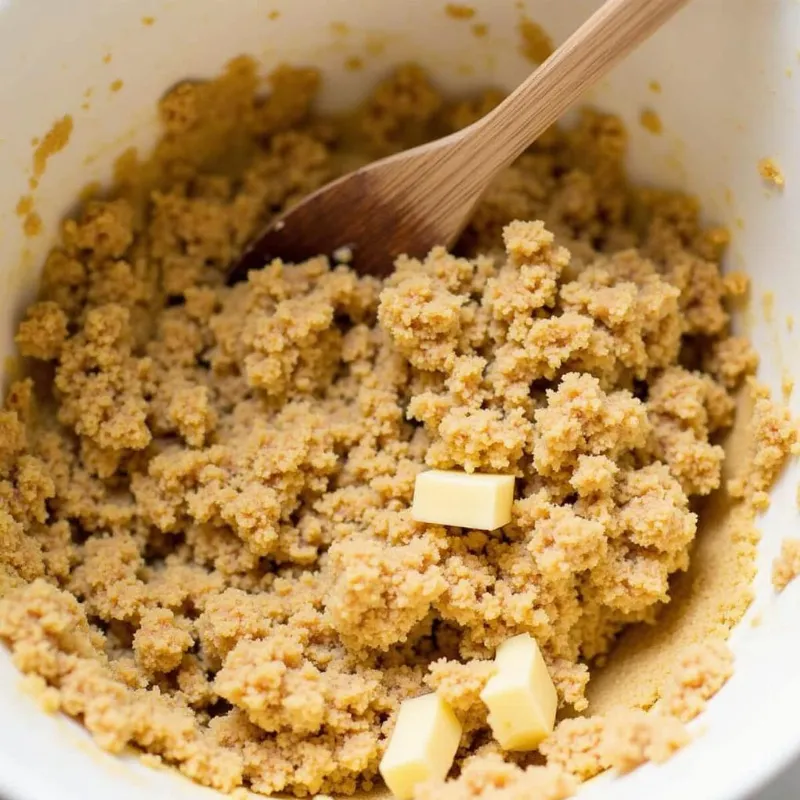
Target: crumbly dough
[
  {"x": 623, "y": 738},
  {"x": 583, "y": 747},
  {"x": 716, "y": 590},
  {"x": 205, "y": 542},
  {"x": 490, "y": 777}
]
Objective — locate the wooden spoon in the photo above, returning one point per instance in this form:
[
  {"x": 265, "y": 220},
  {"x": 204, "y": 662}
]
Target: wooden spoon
[{"x": 423, "y": 197}]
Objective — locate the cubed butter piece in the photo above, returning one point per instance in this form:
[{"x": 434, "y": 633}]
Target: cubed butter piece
[
  {"x": 423, "y": 744},
  {"x": 520, "y": 696},
  {"x": 471, "y": 500}
]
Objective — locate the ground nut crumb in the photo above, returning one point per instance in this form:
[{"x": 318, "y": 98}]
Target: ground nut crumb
[
  {"x": 786, "y": 566},
  {"x": 206, "y": 551}
]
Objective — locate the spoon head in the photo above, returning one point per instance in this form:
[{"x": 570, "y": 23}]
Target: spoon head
[{"x": 379, "y": 212}]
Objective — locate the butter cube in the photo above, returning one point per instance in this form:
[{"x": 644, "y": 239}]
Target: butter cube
[
  {"x": 423, "y": 745},
  {"x": 520, "y": 696},
  {"x": 470, "y": 500}
]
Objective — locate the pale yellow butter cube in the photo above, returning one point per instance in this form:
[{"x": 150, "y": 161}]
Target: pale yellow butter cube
[
  {"x": 470, "y": 500},
  {"x": 520, "y": 696},
  {"x": 423, "y": 745}
]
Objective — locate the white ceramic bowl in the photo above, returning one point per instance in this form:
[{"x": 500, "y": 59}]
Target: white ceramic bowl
[{"x": 728, "y": 99}]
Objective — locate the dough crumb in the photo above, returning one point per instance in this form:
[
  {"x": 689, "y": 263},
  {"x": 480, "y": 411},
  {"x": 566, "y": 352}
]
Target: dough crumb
[
  {"x": 54, "y": 141},
  {"x": 636, "y": 736},
  {"x": 161, "y": 641},
  {"x": 786, "y": 566},
  {"x": 787, "y": 387},
  {"x": 491, "y": 778},
  {"x": 651, "y": 121},
  {"x": 459, "y": 11},
  {"x": 774, "y": 438},
  {"x": 622, "y": 739},
  {"x": 731, "y": 360},
  {"x": 699, "y": 674},
  {"x": 737, "y": 284},
  {"x": 625, "y": 738},
  {"x": 44, "y": 331},
  {"x": 47, "y": 697},
  {"x": 537, "y": 46},
  {"x": 461, "y": 685},
  {"x": 576, "y": 746},
  {"x": 771, "y": 172}
]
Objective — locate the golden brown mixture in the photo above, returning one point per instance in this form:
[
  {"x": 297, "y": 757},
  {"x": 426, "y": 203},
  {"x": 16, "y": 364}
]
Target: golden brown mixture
[{"x": 205, "y": 542}]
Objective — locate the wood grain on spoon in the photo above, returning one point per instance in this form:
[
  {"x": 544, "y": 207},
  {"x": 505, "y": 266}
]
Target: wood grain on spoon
[{"x": 420, "y": 198}]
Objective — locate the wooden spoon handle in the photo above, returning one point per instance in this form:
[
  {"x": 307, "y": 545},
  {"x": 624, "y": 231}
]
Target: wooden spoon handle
[{"x": 612, "y": 32}]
